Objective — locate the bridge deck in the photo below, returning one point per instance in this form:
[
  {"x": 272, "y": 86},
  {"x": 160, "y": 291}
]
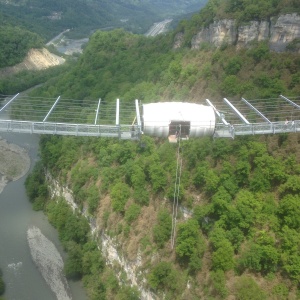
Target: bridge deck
[{"x": 121, "y": 132}]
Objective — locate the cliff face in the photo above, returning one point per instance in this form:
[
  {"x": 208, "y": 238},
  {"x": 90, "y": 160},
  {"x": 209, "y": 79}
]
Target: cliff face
[{"x": 279, "y": 32}]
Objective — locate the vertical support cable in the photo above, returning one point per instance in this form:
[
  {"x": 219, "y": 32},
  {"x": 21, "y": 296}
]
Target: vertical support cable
[
  {"x": 138, "y": 116},
  {"x": 236, "y": 111},
  {"x": 118, "y": 112},
  {"x": 48, "y": 114},
  {"x": 118, "y": 117},
  {"x": 11, "y": 100},
  {"x": 97, "y": 111},
  {"x": 176, "y": 191}
]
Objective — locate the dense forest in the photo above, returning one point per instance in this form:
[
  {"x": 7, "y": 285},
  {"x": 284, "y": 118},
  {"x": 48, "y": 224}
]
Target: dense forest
[{"x": 238, "y": 224}]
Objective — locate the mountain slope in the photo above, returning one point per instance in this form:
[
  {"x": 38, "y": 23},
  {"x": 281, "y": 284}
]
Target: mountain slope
[{"x": 48, "y": 18}]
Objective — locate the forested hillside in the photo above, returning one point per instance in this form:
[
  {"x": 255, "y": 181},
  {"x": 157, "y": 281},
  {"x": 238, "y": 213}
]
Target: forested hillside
[
  {"x": 30, "y": 24},
  {"x": 238, "y": 231},
  {"x": 15, "y": 43}
]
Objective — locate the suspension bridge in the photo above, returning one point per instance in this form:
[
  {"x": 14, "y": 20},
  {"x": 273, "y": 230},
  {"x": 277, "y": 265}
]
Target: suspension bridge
[
  {"x": 220, "y": 119},
  {"x": 176, "y": 121}
]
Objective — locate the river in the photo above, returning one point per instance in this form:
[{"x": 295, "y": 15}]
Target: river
[{"x": 22, "y": 277}]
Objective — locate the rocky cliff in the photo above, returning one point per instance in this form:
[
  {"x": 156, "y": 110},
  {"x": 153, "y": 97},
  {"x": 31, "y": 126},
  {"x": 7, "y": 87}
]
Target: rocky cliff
[{"x": 279, "y": 32}]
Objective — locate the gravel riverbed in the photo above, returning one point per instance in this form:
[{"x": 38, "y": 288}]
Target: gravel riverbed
[{"x": 49, "y": 262}]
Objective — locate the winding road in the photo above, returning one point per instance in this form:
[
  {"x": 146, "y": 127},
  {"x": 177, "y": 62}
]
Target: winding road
[{"x": 158, "y": 28}]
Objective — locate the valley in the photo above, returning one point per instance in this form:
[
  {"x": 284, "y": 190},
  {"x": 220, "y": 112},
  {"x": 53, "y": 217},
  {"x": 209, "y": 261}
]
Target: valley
[{"x": 237, "y": 227}]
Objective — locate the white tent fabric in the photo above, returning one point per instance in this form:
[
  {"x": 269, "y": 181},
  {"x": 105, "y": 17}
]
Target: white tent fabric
[{"x": 157, "y": 118}]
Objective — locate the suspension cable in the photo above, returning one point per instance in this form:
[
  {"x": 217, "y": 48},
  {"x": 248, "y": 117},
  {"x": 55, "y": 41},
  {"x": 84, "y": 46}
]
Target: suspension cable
[{"x": 176, "y": 189}]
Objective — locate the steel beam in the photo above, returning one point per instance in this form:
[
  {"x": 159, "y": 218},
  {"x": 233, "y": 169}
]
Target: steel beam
[
  {"x": 97, "y": 111},
  {"x": 236, "y": 111},
  {"x": 51, "y": 109},
  {"x": 11, "y": 100},
  {"x": 221, "y": 116},
  {"x": 256, "y": 110}
]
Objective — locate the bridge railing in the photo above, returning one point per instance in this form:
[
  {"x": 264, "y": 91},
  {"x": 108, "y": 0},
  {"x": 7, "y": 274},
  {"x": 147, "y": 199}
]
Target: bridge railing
[
  {"x": 258, "y": 128},
  {"x": 118, "y": 131}
]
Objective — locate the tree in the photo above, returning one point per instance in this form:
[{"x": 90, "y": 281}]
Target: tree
[
  {"x": 219, "y": 283},
  {"x": 158, "y": 176},
  {"x": 236, "y": 237},
  {"x": 291, "y": 186},
  {"x": 73, "y": 265},
  {"x": 249, "y": 207},
  {"x": 264, "y": 257},
  {"x": 92, "y": 261},
  {"x": 120, "y": 193},
  {"x": 128, "y": 293},
  {"x": 269, "y": 258},
  {"x": 230, "y": 85},
  {"x": 251, "y": 258},
  {"x": 247, "y": 289},
  {"x": 289, "y": 211},
  {"x": 290, "y": 240},
  {"x": 291, "y": 264},
  {"x": 233, "y": 66},
  {"x": 132, "y": 212},
  {"x": 163, "y": 276},
  {"x": 221, "y": 200},
  {"x": 211, "y": 181},
  {"x": 162, "y": 230},
  {"x": 222, "y": 258},
  {"x": 190, "y": 244}
]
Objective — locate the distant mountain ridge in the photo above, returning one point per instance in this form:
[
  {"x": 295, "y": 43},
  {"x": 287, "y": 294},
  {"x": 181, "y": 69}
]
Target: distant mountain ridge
[{"x": 48, "y": 18}]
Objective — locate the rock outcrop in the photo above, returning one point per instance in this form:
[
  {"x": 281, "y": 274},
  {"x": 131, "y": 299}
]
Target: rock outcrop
[
  {"x": 278, "y": 32},
  {"x": 284, "y": 31},
  {"x": 36, "y": 59}
]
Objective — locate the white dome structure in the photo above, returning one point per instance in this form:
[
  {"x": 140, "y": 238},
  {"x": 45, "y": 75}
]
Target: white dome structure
[{"x": 165, "y": 119}]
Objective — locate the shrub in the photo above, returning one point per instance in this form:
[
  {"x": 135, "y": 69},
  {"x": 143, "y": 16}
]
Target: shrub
[
  {"x": 218, "y": 282},
  {"x": 247, "y": 289},
  {"x": 190, "y": 244},
  {"x": 163, "y": 276},
  {"x": 162, "y": 230},
  {"x": 120, "y": 193},
  {"x": 222, "y": 258},
  {"x": 132, "y": 212}
]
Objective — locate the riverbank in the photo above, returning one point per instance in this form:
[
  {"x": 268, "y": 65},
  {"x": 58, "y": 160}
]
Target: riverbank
[{"x": 14, "y": 162}]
